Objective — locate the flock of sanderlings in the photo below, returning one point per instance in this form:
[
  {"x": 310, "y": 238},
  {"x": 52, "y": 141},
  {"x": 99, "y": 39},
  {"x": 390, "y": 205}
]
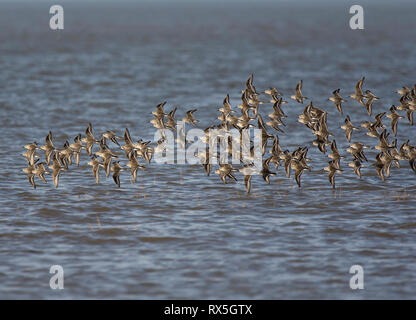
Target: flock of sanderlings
[{"x": 314, "y": 118}]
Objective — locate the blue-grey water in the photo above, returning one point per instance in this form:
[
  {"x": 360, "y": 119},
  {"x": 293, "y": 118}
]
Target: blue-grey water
[{"x": 178, "y": 233}]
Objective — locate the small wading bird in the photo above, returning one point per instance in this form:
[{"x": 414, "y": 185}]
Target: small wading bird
[
  {"x": 254, "y": 157},
  {"x": 226, "y": 171},
  {"x": 116, "y": 168},
  {"x": 48, "y": 148},
  {"x": 248, "y": 171},
  {"x": 358, "y": 95},
  {"x": 370, "y": 99},
  {"x": 332, "y": 169},
  {"x": 356, "y": 165},
  {"x": 394, "y": 116},
  {"x": 76, "y": 148},
  {"x": 298, "y": 96},
  {"x": 30, "y": 174},
  {"x": 56, "y": 168},
  {"x": 134, "y": 165},
  {"x": 349, "y": 128},
  {"x": 96, "y": 165},
  {"x": 89, "y": 139},
  {"x": 338, "y": 100},
  {"x": 190, "y": 117},
  {"x": 110, "y": 135}
]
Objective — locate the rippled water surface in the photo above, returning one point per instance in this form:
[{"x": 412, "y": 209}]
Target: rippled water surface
[{"x": 178, "y": 233}]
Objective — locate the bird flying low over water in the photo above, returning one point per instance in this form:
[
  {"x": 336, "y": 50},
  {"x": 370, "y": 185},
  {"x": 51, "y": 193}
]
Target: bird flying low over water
[
  {"x": 110, "y": 135},
  {"x": 298, "y": 167},
  {"x": 332, "y": 169},
  {"x": 89, "y": 139},
  {"x": 128, "y": 146},
  {"x": 370, "y": 100},
  {"x": 106, "y": 155},
  {"x": 337, "y": 99},
  {"x": 298, "y": 96},
  {"x": 286, "y": 156},
  {"x": 30, "y": 174},
  {"x": 348, "y": 127},
  {"x": 358, "y": 95},
  {"x": 76, "y": 148},
  {"x": 248, "y": 171},
  {"x": 298, "y": 163},
  {"x": 49, "y": 148},
  {"x": 266, "y": 171},
  {"x": 357, "y": 151},
  {"x": 116, "y": 168},
  {"x": 134, "y": 165},
  {"x": 190, "y": 117},
  {"x": 273, "y": 92},
  {"x": 31, "y": 154},
  {"x": 96, "y": 165},
  {"x": 394, "y": 116},
  {"x": 250, "y": 87},
  {"x": 40, "y": 171},
  {"x": 335, "y": 155},
  {"x": 356, "y": 165},
  {"x": 160, "y": 112},
  {"x": 404, "y": 92},
  {"x": 226, "y": 171},
  {"x": 56, "y": 168},
  {"x": 171, "y": 122}
]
